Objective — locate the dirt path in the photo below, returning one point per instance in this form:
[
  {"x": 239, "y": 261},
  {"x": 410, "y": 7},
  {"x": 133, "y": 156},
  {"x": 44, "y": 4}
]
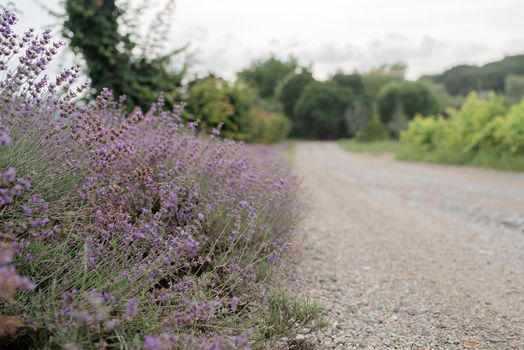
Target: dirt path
[{"x": 413, "y": 256}]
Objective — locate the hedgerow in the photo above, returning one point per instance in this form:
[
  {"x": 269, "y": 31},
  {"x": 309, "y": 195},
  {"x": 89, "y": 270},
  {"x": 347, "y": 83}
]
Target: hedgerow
[
  {"x": 127, "y": 230},
  {"x": 482, "y": 132}
]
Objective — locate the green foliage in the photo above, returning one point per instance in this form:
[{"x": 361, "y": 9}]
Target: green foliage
[
  {"x": 208, "y": 101},
  {"x": 353, "y": 81},
  {"x": 93, "y": 29},
  {"x": 464, "y": 130},
  {"x": 357, "y": 115},
  {"x": 336, "y": 108},
  {"x": 487, "y": 159},
  {"x": 514, "y": 88},
  {"x": 400, "y": 101},
  {"x": 213, "y": 102},
  {"x": 290, "y": 89},
  {"x": 509, "y": 130},
  {"x": 441, "y": 95},
  {"x": 265, "y": 75},
  {"x": 423, "y": 133},
  {"x": 319, "y": 112},
  {"x": 460, "y": 80},
  {"x": 373, "y": 131},
  {"x": 481, "y": 132},
  {"x": 399, "y": 121},
  {"x": 268, "y": 127},
  {"x": 376, "y": 147},
  {"x": 376, "y": 78},
  {"x": 288, "y": 312}
]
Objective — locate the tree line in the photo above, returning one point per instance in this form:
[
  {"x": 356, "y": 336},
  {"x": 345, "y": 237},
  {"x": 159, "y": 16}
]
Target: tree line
[{"x": 272, "y": 98}]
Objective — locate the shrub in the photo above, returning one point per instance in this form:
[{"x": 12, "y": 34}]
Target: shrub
[
  {"x": 480, "y": 132},
  {"x": 320, "y": 110},
  {"x": 94, "y": 30},
  {"x": 514, "y": 87},
  {"x": 265, "y": 75},
  {"x": 268, "y": 127},
  {"x": 373, "y": 131},
  {"x": 356, "y": 116},
  {"x": 132, "y": 232},
  {"x": 422, "y": 133},
  {"x": 353, "y": 81},
  {"x": 376, "y": 78},
  {"x": 289, "y": 91},
  {"x": 404, "y": 99},
  {"x": 214, "y": 102},
  {"x": 508, "y": 131}
]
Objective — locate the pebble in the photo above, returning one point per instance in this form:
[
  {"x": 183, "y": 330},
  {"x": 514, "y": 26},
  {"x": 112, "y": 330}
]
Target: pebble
[{"x": 393, "y": 276}]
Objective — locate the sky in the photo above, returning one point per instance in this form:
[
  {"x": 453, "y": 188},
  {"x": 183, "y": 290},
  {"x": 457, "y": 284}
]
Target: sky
[{"x": 430, "y": 36}]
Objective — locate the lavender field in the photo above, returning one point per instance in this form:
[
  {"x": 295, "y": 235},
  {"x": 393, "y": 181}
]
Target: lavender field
[
  {"x": 127, "y": 230},
  {"x": 262, "y": 175}
]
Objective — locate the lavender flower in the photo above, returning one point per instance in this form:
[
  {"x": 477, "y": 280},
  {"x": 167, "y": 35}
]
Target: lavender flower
[
  {"x": 131, "y": 309},
  {"x": 5, "y": 140},
  {"x": 167, "y": 224}
]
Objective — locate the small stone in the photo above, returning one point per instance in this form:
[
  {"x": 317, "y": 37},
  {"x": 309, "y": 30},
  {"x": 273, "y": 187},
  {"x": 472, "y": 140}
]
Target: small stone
[{"x": 328, "y": 343}]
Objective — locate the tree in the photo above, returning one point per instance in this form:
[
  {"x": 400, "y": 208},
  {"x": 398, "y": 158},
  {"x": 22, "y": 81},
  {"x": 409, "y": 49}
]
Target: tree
[
  {"x": 268, "y": 127},
  {"x": 404, "y": 98},
  {"x": 320, "y": 110},
  {"x": 213, "y": 102},
  {"x": 376, "y": 78},
  {"x": 290, "y": 90},
  {"x": 441, "y": 95},
  {"x": 93, "y": 29},
  {"x": 353, "y": 81},
  {"x": 374, "y": 129},
  {"x": 356, "y": 115},
  {"x": 265, "y": 75},
  {"x": 514, "y": 87},
  {"x": 462, "y": 79},
  {"x": 399, "y": 122}
]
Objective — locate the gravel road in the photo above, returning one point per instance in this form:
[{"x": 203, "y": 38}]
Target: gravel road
[{"x": 412, "y": 256}]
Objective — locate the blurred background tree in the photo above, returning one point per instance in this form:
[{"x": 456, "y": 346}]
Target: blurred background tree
[
  {"x": 374, "y": 129},
  {"x": 353, "y": 81},
  {"x": 357, "y": 113},
  {"x": 113, "y": 59},
  {"x": 271, "y": 95},
  {"x": 289, "y": 91},
  {"x": 514, "y": 87},
  {"x": 213, "y": 101},
  {"x": 268, "y": 127},
  {"x": 398, "y": 102},
  {"x": 378, "y": 77},
  {"x": 462, "y": 79},
  {"x": 264, "y": 75},
  {"x": 356, "y": 116},
  {"x": 321, "y": 108}
]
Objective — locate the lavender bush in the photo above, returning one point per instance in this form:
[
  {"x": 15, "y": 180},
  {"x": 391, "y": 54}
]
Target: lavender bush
[{"x": 127, "y": 230}]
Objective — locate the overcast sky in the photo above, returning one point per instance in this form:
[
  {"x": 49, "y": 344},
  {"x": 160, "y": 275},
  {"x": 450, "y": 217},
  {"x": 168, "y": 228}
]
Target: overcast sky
[{"x": 429, "y": 36}]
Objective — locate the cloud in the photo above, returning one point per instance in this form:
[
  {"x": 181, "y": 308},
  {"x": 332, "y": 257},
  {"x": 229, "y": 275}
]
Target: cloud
[
  {"x": 425, "y": 55},
  {"x": 346, "y": 35}
]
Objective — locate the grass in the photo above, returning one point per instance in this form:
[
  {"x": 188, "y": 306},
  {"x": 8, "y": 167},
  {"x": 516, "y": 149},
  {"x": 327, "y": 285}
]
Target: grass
[
  {"x": 375, "y": 147},
  {"x": 493, "y": 160},
  {"x": 290, "y": 312},
  {"x": 287, "y": 149}
]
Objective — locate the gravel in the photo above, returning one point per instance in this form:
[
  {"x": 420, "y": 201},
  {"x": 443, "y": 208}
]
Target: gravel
[{"x": 411, "y": 256}]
